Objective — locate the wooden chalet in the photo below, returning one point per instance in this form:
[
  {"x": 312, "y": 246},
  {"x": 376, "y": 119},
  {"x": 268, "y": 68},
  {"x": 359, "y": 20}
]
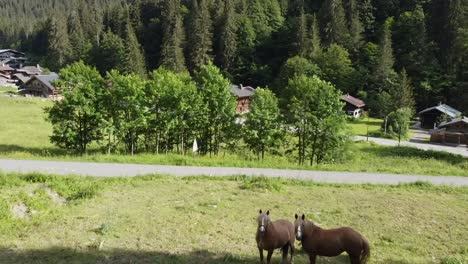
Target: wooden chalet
[
  {"x": 243, "y": 94},
  {"x": 6, "y": 79},
  {"x": 40, "y": 85},
  {"x": 12, "y": 58},
  {"x": 431, "y": 117},
  {"x": 454, "y": 131},
  {"x": 354, "y": 106},
  {"x": 29, "y": 71}
]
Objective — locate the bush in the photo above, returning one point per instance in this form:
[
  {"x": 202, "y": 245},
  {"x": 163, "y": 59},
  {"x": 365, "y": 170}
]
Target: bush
[{"x": 35, "y": 178}]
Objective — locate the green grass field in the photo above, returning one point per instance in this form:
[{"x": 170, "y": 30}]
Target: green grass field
[
  {"x": 24, "y": 134},
  {"x": 359, "y": 127},
  {"x": 8, "y": 89},
  {"x": 200, "y": 220}
]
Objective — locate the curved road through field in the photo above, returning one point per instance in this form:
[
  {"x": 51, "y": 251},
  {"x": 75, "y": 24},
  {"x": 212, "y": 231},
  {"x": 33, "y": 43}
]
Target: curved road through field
[
  {"x": 457, "y": 150},
  {"x": 132, "y": 170}
]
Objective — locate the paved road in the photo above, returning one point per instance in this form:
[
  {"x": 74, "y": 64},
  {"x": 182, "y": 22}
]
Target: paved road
[
  {"x": 462, "y": 150},
  {"x": 131, "y": 170}
]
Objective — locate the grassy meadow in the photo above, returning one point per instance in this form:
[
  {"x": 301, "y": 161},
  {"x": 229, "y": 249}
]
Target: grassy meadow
[
  {"x": 359, "y": 127},
  {"x": 24, "y": 134},
  {"x": 157, "y": 219}
]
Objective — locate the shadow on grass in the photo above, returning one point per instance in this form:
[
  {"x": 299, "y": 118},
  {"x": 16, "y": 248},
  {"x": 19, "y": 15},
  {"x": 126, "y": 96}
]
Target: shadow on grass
[
  {"x": 409, "y": 152},
  {"x": 67, "y": 255},
  {"x": 41, "y": 152}
]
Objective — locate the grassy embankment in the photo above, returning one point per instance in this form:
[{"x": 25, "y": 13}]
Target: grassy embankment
[
  {"x": 200, "y": 220},
  {"x": 24, "y": 134}
]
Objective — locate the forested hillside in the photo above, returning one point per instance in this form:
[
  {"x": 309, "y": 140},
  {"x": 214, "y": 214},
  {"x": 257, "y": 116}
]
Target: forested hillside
[{"x": 380, "y": 50}]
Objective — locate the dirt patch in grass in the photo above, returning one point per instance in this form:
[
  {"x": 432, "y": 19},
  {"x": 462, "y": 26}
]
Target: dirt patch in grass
[
  {"x": 56, "y": 198},
  {"x": 20, "y": 210}
]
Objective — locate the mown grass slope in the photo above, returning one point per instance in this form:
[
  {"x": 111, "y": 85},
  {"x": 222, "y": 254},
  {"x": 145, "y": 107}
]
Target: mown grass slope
[{"x": 199, "y": 220}]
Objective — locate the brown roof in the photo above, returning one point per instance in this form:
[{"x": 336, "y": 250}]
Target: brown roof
[{"x": 353, "y": 100}]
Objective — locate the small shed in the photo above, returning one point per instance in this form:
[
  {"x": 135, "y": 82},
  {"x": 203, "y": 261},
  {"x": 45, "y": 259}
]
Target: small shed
[
  {"x": 354, "y": 106},
  {"x": 431, "y": 117},
  {"x": 243, "y": 94},
  {"x": 40, "y": 85},
  {"x": 454, "y": 131}
]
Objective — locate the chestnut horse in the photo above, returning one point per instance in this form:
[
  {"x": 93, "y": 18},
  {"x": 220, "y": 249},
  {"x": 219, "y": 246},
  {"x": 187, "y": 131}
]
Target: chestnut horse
[
  {"x": 330, "y": 243},
  {"x": 272, "y": 235}
]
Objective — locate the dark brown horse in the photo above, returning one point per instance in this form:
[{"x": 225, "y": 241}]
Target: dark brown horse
[
  {"x": 330, "y": 243},
  {"x": 272, "y": 235}
]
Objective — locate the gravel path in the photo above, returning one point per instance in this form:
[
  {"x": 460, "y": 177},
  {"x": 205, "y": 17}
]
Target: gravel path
[
  {"x": 131, "y": 170},
  {"x": 461, "y": 150}
]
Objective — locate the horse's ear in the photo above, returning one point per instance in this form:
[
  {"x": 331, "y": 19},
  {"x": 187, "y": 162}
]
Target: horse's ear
[
  {"x": 296, "y": 216},
  {"x": 260, "y": 211},
  {"x": 303, "y": 217},
  {"x": 268, "y": 212}
]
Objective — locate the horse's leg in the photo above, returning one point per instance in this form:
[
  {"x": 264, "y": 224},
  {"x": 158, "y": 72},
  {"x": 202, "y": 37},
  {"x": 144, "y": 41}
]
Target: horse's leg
[
  {"x": 312, "y": 259},
  {"x": 354, "y": 259},
  {"x": 270, "y": 253},
  {"x": 261, "y": 255},
  {"x": 292, "y": 251},
  {"x": 285, "y": 250}
]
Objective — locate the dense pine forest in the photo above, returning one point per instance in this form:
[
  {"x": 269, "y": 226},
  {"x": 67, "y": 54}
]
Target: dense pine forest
[{"x": 384, "y": 51}]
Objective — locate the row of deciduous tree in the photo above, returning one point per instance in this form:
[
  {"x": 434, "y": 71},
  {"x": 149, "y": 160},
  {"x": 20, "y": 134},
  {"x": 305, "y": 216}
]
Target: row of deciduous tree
[
  {"x": 359, "y": 46},
  {"x": 167, "y": 111}
]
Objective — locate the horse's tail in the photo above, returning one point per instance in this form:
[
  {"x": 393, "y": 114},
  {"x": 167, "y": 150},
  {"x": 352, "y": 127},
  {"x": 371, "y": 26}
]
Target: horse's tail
[{"x": 365, "y": 253}]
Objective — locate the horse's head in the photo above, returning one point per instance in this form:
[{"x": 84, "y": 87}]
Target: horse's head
[
  {"x": 263, "y": 220},
  {"x": 299, "y": 227}
]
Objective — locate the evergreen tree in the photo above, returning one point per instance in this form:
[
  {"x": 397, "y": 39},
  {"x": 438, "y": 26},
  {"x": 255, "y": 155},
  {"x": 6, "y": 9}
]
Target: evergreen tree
[
  {"x": 314, "y": 44},
  {"x": 80, "y": 45},
  {"x": 59, "y": 49},
  {"x": 265, "y": 16},
  {"x": 411, "y": 44},
  {"x": 403, "y": 93},
  {"x": 384, "y": 68},
  {"x": 92, "y": 15},
  {"x": 355, "y": 27},
  {"x": 134, "y": 59},
  {"x": 228, "y": 45},
  {"x": 448, "y": 16},
  {"x": 333, "y": 22},
  {"x": 301, "y": 37},
  {"x": 172, "y": 55},
  {"x": 200, "y": 35},
  {"x": 366, "y": 12},
  {"x": 458, "y": 17}
]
